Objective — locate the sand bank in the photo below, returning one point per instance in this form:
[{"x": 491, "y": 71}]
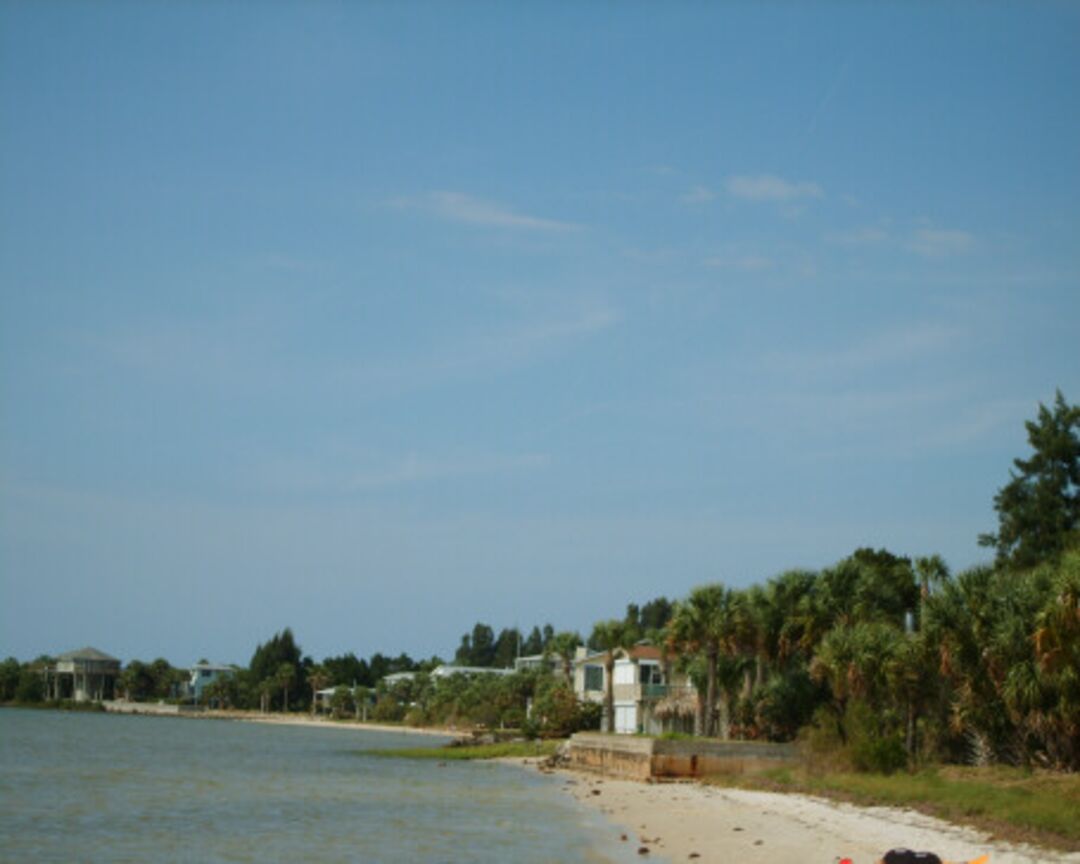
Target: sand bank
[{"x": 689, "y": 821}]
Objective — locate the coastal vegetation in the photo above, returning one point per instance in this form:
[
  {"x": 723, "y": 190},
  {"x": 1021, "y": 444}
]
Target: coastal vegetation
[
  {"x": 880, "y": 662},
  {"x": 1015, "y": 804},
  {"x": 470, "y": 752}
]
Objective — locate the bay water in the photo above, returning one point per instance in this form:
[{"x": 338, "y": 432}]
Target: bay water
[{"x": 100, "y": 787}]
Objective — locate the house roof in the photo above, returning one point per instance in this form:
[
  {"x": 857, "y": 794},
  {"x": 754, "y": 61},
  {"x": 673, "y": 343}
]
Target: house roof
[
  {"x": 644, "y": 652},
  {"x": 635, "y": 652},
  {"x": 87, "y": 653}
]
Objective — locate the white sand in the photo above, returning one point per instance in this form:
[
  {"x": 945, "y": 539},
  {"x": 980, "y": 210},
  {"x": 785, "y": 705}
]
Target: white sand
[
  {"x": 676, "y": 820},
  {"x": 325, "y": 723}
]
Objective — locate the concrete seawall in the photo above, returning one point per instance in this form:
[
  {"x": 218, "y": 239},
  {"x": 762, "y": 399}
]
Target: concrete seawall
[{"x": 639, "y": 758}]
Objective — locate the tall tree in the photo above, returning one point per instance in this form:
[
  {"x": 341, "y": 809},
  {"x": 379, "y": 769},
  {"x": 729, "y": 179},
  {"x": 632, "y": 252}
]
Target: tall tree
[
  {"x": 1039, "y": 508},
  {"x": 317, "y": 678},
  {"x": 477, "y": 649},
  {"x": 267, "y": 659},
  {"x": 705, "y": 624},
  {"x": 284, "y": 678},
  {"x": 534, "y": 644},
  {"x": 564, "y": 645},
  {"x": 507, "y": 647},
  {"x": 609, "y": 636}
]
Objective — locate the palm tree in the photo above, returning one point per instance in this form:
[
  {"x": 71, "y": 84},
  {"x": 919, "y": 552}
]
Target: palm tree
[
  {"x": 267, "y": 687},
  {"x": 609, "y": 636},
  {"x": 317, "y": 678},
  {"x": 564, "y": 645},
  {"x": 284, "y": 678},
  {"x": 705, "y": 624}
]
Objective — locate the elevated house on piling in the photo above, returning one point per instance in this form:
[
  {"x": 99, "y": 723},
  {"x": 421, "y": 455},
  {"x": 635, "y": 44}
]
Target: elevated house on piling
[{"x": 85, "y": 675}]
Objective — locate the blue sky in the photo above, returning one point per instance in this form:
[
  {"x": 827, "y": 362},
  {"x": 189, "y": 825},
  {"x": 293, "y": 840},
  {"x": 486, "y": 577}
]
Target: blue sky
[{"x": 375, "y": 320}]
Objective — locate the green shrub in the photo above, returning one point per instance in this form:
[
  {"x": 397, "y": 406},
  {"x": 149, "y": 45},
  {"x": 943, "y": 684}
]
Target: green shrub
[{"x": 879, "y": 755}]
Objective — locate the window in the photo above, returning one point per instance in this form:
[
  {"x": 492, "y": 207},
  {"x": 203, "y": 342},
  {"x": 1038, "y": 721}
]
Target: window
[
  {"x": 651, "y": 674},
  {"x": 594, "y": 677}
]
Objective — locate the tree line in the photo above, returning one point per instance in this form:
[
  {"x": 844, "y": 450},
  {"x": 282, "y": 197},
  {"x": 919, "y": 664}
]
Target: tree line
[{"x": 893, "y": 658}]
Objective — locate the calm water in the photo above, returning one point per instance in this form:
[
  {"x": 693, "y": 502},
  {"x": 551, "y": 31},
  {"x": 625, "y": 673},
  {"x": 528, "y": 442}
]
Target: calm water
[{"x": 94, "y": 787}]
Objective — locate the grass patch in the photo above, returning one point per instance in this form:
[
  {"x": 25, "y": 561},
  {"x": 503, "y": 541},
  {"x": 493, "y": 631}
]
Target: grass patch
[
  {"x": 506, "y": 750},
  {"x": 1013, "y": 804}
]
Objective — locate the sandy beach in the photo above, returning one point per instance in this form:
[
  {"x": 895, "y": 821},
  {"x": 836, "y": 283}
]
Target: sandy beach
[
  {"x": 689, "y": 821},
  {"x": 292, "y": 719},
  {"x": 323, "y": 723}
]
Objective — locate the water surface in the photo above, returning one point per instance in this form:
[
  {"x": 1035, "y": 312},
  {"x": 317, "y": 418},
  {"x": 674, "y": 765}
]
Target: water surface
[{"x": 96, "y": 787}]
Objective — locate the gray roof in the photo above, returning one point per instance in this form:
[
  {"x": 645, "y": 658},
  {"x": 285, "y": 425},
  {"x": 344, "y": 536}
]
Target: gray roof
[{"x": 87, "y": 654}]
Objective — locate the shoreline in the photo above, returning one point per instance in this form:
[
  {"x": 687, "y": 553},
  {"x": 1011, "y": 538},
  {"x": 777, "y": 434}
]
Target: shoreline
[
  {"x": 153, "y": 709},
  {"x": 686, "y": 820}
]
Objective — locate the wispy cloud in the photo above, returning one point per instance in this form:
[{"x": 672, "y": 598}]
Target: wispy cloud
[
  {"x": 938, "y": 243},
  {"x": 770, "y": 188},
  {"x": 697, "y": 195},
  {"x": 467, "y": 210}
]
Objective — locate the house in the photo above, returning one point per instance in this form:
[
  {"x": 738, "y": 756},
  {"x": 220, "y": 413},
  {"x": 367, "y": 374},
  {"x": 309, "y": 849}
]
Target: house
[
  {"x": 650, "y": 696},
  {"x": 394, "y": 677},
  {"x": 202, "y": 675},
  {"x": 85, "y": 675},
  {"x": 448, "y": 671},
  {"x": 551, "y": 662}
]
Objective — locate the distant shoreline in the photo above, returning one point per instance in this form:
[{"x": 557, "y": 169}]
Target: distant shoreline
[{"x": 155, "y": 709}]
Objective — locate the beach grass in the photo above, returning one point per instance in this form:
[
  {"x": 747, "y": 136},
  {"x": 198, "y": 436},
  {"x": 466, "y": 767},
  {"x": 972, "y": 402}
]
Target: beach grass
[
  {"x": 1011, "y": 803},
  {"x": 466, "y": 752}
]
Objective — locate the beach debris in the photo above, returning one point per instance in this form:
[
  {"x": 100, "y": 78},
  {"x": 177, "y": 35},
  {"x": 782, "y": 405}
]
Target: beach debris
[
  {"x": 623, "y": 837},
  {"x": 595, "y": 791},
  {"x": 758, "y": 842},
  {"x": 643, "y": 850},
  {"x": 736, "y": 828},
  {"x": 694, "y": 855},
  {"x": 906, "y": 856}
]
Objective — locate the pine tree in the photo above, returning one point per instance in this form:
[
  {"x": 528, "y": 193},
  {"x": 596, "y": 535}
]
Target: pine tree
[{"x": 1039, "y": 508}]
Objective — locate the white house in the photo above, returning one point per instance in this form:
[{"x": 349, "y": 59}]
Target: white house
[
  {"x": 202, "y": 675},
  {"x": 649, "y": 695},
  {"x": 448, "y": 670}
]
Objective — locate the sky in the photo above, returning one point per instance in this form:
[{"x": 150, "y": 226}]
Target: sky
[{"x": 376, "y": 320}]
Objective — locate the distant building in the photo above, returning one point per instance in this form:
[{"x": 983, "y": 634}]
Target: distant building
[
  {"x": 86, "y": 675},
  {"x": 551, "y": 662},
  {"x": 202, "y": 675},
  {"x": 448, "y": 671},
  {"x": 395, "y": 677}
]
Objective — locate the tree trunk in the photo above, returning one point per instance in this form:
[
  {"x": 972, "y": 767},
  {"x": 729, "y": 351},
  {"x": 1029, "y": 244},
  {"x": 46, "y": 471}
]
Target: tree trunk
[
  {"x": 910, "y": 738},
  {"x": 725, "y": 715},
  {"x": 609, "y": 692},
  {"x": 710, "y": 694}
]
